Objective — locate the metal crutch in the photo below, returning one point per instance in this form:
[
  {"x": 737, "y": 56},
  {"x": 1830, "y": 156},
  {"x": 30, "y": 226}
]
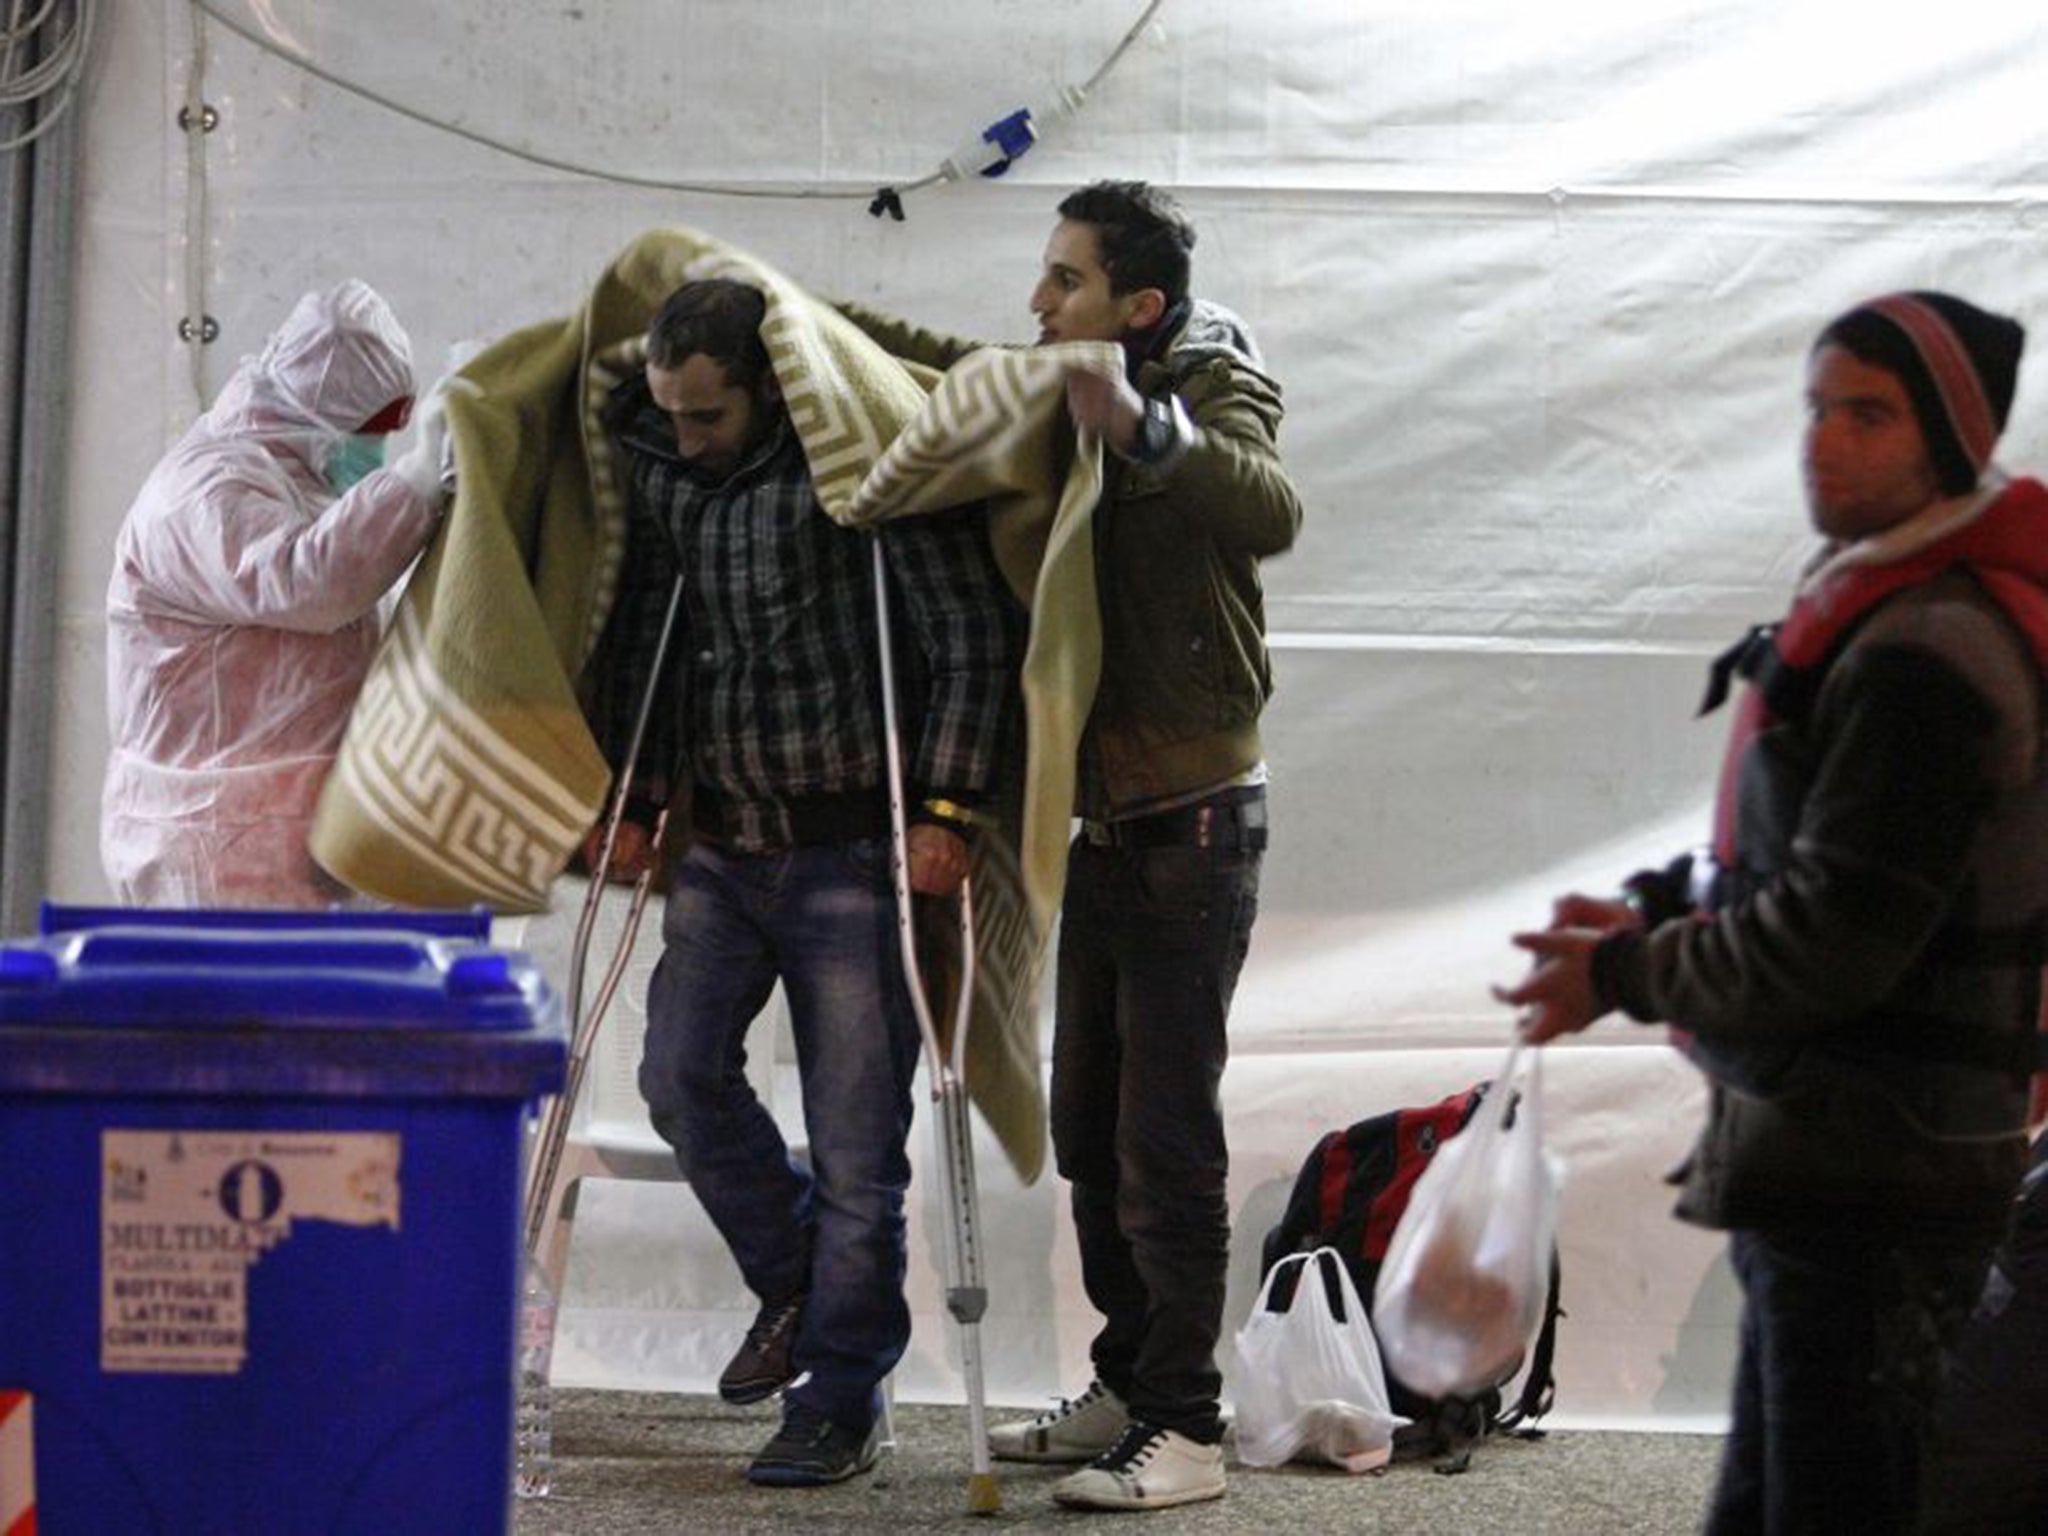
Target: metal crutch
[
  {"x": 966, "y": 1296},
  {"x": 554, "y": 1126}
]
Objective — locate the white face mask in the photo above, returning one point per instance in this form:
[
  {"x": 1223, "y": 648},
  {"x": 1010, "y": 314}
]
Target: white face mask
[{"x": 355, "y": 456}]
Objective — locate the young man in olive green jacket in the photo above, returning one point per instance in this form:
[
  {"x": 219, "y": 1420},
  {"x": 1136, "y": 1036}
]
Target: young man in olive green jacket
[{"x": 1162, "y": 886}]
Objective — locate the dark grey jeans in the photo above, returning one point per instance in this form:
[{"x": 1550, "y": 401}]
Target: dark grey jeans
[
  {"x": 1845, "y": 1341},
  {"x": 1151, "y": 943},
  {"x": 1990, "y": 1468}
]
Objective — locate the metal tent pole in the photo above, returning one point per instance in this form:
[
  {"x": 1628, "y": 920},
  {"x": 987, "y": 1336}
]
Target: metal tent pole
[{"x": 35, "y": 309}]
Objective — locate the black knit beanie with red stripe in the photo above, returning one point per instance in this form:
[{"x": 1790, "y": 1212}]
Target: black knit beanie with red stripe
[{"x": 1958, "y": 363}]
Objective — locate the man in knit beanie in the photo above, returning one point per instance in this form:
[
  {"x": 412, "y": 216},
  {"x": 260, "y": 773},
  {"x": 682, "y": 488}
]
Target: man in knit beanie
[
  {"x": 1854, "y": 961},
  {"x": 1957, "y": 364}
]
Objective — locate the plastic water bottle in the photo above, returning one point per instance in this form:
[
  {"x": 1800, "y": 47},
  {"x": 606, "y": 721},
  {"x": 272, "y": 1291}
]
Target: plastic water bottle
[{"x": 533, "y": 1432}]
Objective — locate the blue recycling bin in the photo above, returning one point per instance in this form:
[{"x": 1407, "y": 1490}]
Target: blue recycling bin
[{"x": 259, "y": 1217}]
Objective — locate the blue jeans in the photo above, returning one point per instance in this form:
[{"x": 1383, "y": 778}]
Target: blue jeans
[
  {"x": 1845, "y": 1341},
  {"x": 1151, "y": 943},
  {"x": 822, "y": 920}
]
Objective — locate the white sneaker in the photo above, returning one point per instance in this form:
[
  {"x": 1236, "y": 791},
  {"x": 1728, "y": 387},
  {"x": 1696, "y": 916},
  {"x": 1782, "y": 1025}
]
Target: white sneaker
[
  {"x": 1149, "y": 1468},
  {"x": 1078, "y": 1429}
]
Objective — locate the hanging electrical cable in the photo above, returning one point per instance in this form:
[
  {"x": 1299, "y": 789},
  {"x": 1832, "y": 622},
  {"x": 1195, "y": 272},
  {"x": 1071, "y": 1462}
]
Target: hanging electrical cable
[
  {"x": 1006, "y": 139},
  {"x": 40, "y": 74},
  {"x": 993, "y": 152}
]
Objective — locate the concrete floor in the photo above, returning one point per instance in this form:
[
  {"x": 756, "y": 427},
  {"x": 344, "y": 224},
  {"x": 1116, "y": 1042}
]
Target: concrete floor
[{"x": 628, "y": 1463}]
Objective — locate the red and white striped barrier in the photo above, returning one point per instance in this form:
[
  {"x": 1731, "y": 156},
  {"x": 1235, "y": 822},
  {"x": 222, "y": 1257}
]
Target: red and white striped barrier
[{"x": 17, "y": 1464}]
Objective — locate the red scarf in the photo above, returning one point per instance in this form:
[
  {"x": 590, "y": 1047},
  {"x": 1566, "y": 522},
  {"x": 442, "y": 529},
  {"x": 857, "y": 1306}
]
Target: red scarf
[{"x": 2005, "y": 547}]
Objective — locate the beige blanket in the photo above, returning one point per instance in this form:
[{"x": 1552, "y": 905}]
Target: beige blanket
[{"x": 468, "y": 774}]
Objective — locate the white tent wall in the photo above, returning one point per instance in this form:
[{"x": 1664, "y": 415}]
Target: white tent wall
[{"x": 1538, "y": 281}]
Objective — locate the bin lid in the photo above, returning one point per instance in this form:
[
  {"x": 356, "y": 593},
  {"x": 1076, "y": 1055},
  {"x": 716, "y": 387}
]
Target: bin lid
[
  {"x": 468, "y": 923},
  {"x": 303, "y": 1007},
  {"x": 162, "y": 976}
]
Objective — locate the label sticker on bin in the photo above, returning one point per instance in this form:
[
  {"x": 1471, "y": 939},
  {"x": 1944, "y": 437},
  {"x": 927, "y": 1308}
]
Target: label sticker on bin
[{"x": 185, "y": 1213}]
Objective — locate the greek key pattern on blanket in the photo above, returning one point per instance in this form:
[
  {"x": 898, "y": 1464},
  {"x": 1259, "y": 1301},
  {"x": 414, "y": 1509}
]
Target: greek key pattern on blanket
[
  {"x": 827, "y": 406},
  {"x": 455, "y": 793},
  {"x": 990, "y": 400}
]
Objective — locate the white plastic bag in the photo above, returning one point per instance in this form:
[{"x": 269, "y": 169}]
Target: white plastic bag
[
  {"x": 1308, "y": 1385},
  {"x": 1468, "y": 1268}
]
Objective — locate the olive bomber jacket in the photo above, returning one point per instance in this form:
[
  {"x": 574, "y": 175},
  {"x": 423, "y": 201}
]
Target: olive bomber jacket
[{"x": 1185, "y": 668}]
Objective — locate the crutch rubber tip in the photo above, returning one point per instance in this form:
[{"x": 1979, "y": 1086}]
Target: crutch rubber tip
[{"x": 983, "y": 1496}]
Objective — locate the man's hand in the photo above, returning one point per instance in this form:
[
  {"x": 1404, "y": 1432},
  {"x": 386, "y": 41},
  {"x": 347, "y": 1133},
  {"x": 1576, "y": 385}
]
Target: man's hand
[
  {"x": 631, "y": 851},
  {"x": 1606, "y": 914},
  {"x": 1557, "y": 996},
  {"x": 938, "y": 859},
  {"x": 1106, "y": 405}
]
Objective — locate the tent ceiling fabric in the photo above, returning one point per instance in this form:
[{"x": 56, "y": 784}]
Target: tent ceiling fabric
[{"x": 1538, "y": 281}]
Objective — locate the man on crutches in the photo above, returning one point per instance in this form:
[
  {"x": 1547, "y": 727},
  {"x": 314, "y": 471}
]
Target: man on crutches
[{"x": 785, "y": 872}]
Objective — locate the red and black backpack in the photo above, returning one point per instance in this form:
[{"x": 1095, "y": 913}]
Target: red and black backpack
[{"x": 1350, "y": 1195}]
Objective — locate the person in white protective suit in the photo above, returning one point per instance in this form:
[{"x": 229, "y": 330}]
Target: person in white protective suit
[{"x": 242, "y": 611}]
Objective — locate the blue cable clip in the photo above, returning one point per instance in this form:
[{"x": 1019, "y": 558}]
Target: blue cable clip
[{"x": 1011, "y": 135}]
